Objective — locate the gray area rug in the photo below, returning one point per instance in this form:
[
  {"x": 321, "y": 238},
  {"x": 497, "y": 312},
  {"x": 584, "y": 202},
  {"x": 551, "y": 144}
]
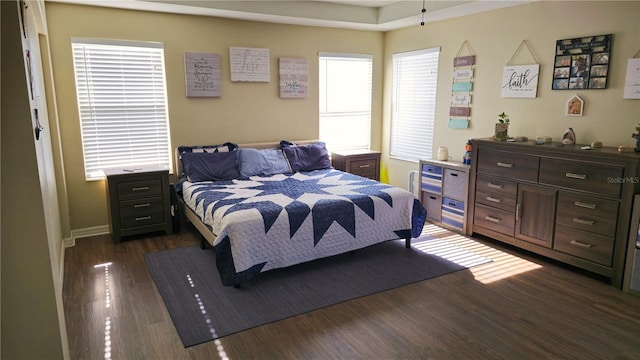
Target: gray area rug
[{"x": 202, "y": 309}]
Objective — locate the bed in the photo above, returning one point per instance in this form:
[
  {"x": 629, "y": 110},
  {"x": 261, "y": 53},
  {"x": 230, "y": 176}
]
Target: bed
[{"x": 264, "y": 206}]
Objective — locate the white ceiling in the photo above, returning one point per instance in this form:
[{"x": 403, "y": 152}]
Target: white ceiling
[{"x": 375, "y": 15}]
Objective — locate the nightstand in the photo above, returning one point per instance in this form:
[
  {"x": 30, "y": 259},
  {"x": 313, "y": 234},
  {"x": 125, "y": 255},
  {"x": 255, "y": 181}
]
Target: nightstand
[
  {"x": 138, "y": 200},
  {"x": 365, "y": 163}
]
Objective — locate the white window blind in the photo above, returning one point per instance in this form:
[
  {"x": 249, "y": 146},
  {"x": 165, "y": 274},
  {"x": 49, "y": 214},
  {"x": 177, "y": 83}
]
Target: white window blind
[
  {"x": 122, "y": 101},
  {"x": 345, "y": 100},
  {"x": 415, "y": 79}
]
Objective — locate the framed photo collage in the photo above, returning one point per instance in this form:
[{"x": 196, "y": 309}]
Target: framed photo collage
[{"x": 582, "y": 63}]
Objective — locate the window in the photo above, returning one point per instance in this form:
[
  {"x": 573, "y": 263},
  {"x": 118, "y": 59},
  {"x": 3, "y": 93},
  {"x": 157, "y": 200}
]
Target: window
[
  {"x": 345, "y": 100},
  {"x": 415, "y": 78},
  {"x": 122, "y": 101}
]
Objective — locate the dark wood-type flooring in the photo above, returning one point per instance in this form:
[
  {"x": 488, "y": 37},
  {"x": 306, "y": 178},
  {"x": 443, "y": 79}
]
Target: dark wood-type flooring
[{"x": 517, "y": 307}]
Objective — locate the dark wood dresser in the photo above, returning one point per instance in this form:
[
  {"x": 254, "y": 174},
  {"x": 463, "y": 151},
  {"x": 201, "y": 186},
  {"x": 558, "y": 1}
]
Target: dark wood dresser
[
  {"x": 565, "y": 203},
  {"x": 138, "y": 200},
  {"x": 365, "y": 163}
]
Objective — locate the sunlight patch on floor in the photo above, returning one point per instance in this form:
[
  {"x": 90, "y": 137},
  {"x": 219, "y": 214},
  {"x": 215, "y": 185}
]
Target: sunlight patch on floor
[
  {"x": 205, "y": 316},
  {"x": 107, "y": 301},
  {"x": 463, "y": 250}
]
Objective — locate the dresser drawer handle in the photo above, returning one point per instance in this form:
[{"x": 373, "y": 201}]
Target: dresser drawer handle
[
  {"x": 495, "y": 186},
  {"x": 492, "y": 219},
  {"x": 583, "y": 221},
  {"x": 576, "y": 176},
  {"x": 142, "y": 188},
  {"x": 495, "y": 200},
  {"x": 585, "y": 205},
  {"x": 581, "y": 244},
  {"x": 141, "y": 205},
  {"x": 364, "y": 166},
  {"x": 504, "y": 164},
  {"x": 142, "y": 218}
]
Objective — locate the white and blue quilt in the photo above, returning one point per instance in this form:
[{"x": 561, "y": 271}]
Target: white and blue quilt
[{"x": 269, "y": 222}]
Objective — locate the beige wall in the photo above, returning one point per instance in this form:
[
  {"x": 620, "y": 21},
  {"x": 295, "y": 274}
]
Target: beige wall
[
  {"x": 494, "y": 37},
  {"x": 250, "y": 112},
  {"x": 33, "y": 325},
  {"x": 246, "y": 112}
]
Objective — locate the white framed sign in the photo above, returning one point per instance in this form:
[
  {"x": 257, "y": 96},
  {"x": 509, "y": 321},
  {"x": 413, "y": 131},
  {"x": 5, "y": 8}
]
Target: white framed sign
[
  {"x": 249, "y": 64},
  {"x": 520, "y": 81},
  {"x": 632, "y": 80}
]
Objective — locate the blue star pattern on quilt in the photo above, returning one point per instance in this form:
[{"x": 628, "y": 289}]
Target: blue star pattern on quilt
[{"x": 298, "y": 195}]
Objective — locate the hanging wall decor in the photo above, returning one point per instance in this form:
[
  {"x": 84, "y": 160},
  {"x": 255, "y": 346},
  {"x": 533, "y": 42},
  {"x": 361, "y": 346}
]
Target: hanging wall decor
[
  {"x": 582, "y": 63},
  {"x": 293, "y": 77},
  {"x": 520, "y": 81},
  {"x": 249, "y": 64},
  {"x": 461, "y": 88},
  {"x": 575, "y": 106},
  {"x": 202, "y": 74},
  {"x": 632, "y": 78}
]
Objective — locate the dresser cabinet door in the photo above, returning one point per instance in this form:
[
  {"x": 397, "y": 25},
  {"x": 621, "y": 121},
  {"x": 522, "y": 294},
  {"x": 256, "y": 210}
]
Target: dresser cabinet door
[{"x": 535, "y": 214}]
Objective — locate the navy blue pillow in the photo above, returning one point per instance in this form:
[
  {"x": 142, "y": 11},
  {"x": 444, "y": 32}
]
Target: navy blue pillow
[
  {"x": 307, "y": 157},
  {"x": 210, "y": 166}
]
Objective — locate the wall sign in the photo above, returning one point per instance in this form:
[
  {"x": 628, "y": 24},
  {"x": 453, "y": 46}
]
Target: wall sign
[
  {"x": 520, "y": 81},
  {"x": 249, "y": 64},
  {"x": 293, "y": 77},
  {"x": 582, "y": 63},
  {"x": 632, "y": 80},
  {"x": 202, "y": 74},
  {"x": 463, "y": 71}
]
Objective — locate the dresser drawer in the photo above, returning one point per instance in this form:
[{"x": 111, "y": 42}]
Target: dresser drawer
[
  {"x": 498, "y": 193},
  {"x": 584, "y": 176},
  {"x": 365, "y": 168},
  {"x": 494, "y": 219},
  {"x": 140, "y": 188},
  {"x": 584, "y": 244},
  {"x": 509, "y": 165},
  {"x": 455, "y": 184},
  {"x": 154, "y": 217},
  {"x": 139, "y": 207},
  {"x": 588, "y": 214}
]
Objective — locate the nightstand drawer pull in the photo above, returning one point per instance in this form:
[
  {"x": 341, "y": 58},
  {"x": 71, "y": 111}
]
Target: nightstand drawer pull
[
  {"x": 141, "y": 205},
  {"x": 504, "y": 164},
  {"x": 583, "y": 221},
  {"x": 364, "y": 166},
  {"x": 492, "y": 219},
  {"x": 495, "y": 186},
  {"x": 142, "y": 218},
  {"x": 581, "y": 244},
  {"x": 495, "y": 200},
  {"x": 585, "y": 205},
  {"x": 141, "y": 188},
  {"x": 576, "y": 176}
]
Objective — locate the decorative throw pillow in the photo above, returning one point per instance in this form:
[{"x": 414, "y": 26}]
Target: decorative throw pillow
[
  {"x": 263, "y": 162},
  {"x": 205, "y": 166},
  {"x": 307, "y": 157}
]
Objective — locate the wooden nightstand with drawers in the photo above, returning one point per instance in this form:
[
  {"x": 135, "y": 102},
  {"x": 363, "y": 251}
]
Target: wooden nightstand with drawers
[
  {"x": 365, "y": 163},
  {"x": 138, "y": 201}
]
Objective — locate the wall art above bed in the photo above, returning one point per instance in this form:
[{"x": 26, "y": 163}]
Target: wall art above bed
[
  {"x": 582, "y": 63},
  {"x": 202, "y": 74}
]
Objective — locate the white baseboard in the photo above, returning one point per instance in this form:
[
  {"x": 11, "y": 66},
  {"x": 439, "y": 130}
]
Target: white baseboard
[{"x": 90, "y": 231}]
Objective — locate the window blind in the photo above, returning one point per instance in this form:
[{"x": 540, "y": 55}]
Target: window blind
[
  {"x": 345, "y": 100},
  {"x": 122, "y": 103},
  {"x": 415, "y": 79}
]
